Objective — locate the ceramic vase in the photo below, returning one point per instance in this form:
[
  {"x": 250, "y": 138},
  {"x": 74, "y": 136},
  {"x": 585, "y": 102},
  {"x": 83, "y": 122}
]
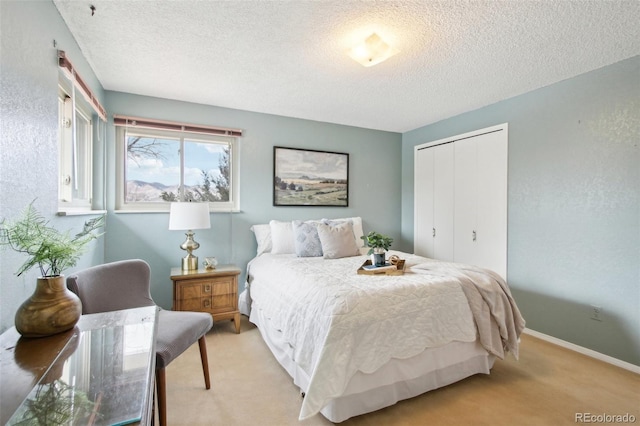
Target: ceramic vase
[
  {"x": 51, "y": 309},
  {"x": 378, "y": 257}
]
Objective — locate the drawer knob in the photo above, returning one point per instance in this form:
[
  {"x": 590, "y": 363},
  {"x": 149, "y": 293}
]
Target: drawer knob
[
  {"x": 206, "y": 303},
  {"x": 207, "y": 288}
]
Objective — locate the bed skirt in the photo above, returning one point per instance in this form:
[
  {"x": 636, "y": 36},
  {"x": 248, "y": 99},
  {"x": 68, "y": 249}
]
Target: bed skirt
[{"x": 398, "y": 379}]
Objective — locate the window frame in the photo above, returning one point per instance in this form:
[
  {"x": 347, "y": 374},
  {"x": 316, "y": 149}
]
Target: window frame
[
  {"x": 67, "y": 204},
  {"x": 233, "y": 205}
]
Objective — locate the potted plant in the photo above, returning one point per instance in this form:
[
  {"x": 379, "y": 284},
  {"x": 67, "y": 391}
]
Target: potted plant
[
  {"x": 52, "y": 308},
  {"x": 378, "y": 245}
]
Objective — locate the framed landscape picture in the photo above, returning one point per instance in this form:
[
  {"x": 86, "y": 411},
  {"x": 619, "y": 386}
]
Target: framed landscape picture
[{"x": 304, "y": 177}]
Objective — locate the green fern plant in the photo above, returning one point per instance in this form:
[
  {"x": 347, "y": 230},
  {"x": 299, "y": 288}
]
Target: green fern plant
[{"x": 52, "y": 250}]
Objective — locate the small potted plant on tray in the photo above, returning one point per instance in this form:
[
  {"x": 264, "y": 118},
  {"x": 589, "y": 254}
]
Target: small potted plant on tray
[
  {"x": 378, "y": 245},
  {"x": 52, "y": 308}
]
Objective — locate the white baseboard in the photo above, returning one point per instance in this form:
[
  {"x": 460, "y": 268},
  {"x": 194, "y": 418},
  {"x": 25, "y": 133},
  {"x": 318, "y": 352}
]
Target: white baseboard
[{"x": 588, "y": 352}]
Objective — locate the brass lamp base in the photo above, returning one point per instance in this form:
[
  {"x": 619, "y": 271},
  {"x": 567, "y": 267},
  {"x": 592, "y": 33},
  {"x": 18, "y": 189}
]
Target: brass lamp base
[{"x": 190, "y": 263}]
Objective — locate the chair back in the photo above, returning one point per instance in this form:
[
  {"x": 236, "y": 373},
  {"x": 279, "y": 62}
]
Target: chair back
[{"x": 112, "y": 286}]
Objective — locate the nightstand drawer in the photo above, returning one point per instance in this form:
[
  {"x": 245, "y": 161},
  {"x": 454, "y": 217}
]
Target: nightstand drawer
[
  {"x": 222, "y": 286},
  {"x": 223, "y": 303},
  {"x": 211, "y": 304},
  {"x": 198, "y": 304},
  {"x": 214, "y": 287},
  {"x": 194, "y": 290}
]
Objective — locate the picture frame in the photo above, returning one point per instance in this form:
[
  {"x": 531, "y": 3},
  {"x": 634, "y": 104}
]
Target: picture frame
[{"x": 306, "y": 177}]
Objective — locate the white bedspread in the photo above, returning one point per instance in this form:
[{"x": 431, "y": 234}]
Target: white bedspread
[{"x": 339, "y": 322}]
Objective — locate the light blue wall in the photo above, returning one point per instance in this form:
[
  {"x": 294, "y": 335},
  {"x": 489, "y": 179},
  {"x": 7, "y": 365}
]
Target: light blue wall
[
  {"x": 29, "y": 131},
  {"x": 374, "y": 185},
  {"x": 574, "y": 204}
]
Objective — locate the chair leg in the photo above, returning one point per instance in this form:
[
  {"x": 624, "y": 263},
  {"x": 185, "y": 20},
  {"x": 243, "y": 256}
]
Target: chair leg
[
  {"x": 202, "y": 343},
  {"x": 161, "y": 386}
]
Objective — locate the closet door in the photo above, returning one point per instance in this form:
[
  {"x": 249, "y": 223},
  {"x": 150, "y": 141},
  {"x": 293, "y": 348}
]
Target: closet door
[
  {"x": 481, "y": 201},
  {"x": 491, "y": 215},
  {"x": 433, "y": 198},
  {"x": 423, "y": 202},
  {"x": 443, "y": 207},
  {"x": 466, "y": 193},
  {"x": 461, "y": 199}
]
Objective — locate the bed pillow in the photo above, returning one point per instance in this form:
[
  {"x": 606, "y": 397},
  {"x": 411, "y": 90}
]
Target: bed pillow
[
  {"x": 281, "y": 237},
  {"x": 262, "y": 233},
  {"x": 305, "y": 239},
  {"x": 357, "y": 227},
  {"x": 337, "y": 240}
]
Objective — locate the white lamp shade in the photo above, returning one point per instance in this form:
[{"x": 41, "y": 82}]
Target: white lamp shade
[{"x": 189, "y": 216}]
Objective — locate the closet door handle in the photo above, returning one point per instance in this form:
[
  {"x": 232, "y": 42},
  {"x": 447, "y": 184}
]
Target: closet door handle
[
  {"x": 434, "y": 232},
  {"x": 473, "y": 235}
]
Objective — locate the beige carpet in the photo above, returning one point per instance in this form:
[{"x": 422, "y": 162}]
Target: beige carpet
[{"x": 547, "y": 386}]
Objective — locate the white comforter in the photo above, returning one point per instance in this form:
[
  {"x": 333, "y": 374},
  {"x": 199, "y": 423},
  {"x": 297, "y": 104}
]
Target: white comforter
[{"x": 339, "y": 322}]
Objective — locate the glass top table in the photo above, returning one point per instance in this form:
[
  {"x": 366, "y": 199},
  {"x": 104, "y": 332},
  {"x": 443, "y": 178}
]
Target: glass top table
[{"x": 99, "y": 373}]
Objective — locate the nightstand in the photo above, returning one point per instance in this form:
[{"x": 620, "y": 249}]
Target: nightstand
[{"x": 214, "y": 291}]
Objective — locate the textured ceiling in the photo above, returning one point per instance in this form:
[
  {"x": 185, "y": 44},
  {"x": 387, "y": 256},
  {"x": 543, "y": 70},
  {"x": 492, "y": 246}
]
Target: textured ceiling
[{"x": 289, "y": 57}]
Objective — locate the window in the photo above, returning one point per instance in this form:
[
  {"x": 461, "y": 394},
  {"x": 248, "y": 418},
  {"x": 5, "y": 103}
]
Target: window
[
  {"x": 158, "y": 166},
  {"x": 75, "y": 141},
  {"x": 75, "y": 154}
]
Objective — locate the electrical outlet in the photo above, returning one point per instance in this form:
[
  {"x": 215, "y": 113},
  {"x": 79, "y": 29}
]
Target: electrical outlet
[{"x": 596, "y": 313}]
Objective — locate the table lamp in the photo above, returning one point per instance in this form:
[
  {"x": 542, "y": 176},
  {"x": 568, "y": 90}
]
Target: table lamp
[{"x": 188, "y": 216}]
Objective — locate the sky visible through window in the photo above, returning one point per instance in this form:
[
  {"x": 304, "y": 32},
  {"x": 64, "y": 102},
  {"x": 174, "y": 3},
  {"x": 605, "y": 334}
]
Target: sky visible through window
[{"x": 164, "y": 168}]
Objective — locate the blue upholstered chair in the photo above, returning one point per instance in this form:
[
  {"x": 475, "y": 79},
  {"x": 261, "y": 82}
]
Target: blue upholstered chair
[{"x": 124, "y": 285}]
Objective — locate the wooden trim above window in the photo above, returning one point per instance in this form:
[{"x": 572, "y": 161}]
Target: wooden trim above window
[
  {"x": 71, "y": 73},
  {"x": 148, "y": 123}
]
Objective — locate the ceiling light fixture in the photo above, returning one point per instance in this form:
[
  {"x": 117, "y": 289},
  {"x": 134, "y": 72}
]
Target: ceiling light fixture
[{"x": 372, "y": 51}]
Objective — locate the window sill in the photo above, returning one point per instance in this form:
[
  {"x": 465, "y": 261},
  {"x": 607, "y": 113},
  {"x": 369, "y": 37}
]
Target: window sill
[
  {"x": 80, "y": 212},
  {"x": 167, "y": 211}
]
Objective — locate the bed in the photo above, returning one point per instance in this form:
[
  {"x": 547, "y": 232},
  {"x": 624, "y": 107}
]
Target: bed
[{"x": 357, "y": 343}]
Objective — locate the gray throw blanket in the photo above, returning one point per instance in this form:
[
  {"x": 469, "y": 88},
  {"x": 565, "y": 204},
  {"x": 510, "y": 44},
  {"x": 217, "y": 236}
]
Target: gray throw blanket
[{"x": 490, "y": 301}]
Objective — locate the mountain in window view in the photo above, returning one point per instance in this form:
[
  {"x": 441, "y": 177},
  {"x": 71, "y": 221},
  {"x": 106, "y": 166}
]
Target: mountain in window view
[{"x": 139, "y": 191}]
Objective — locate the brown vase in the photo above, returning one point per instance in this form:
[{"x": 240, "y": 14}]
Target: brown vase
[{"x": 51, "y": 309}]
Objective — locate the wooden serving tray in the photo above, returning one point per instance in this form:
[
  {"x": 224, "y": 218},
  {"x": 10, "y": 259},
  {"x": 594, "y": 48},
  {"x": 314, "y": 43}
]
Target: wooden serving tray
[{"x": 398, "y": 271}]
